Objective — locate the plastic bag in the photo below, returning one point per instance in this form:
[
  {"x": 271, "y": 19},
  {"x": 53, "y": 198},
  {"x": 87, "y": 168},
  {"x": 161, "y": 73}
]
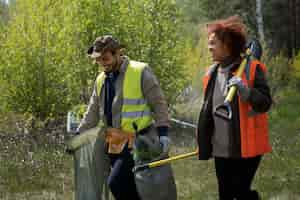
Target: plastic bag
[{"x": 91, "y": 169}]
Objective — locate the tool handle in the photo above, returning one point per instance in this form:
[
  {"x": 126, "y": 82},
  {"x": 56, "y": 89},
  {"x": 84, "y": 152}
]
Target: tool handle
[
  {"x": 167, "y": 160},
  {"x": 239, "y": 73},
  {"x": 164, "y": 161},
  {"x": 231, "y": 94}
]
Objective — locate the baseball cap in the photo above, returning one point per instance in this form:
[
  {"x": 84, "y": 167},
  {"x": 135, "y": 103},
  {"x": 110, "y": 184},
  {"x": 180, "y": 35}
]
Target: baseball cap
[{"x": 102, "y": 44}]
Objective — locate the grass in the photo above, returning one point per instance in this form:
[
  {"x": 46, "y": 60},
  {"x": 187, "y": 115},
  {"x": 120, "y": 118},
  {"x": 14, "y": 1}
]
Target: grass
[
  {"x": 31, "y": 169},
  {"x": 278, "y": 176}
]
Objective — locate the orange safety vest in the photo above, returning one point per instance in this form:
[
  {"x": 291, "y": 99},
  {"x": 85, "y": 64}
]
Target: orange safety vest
[{"x": 253, "y": 129}]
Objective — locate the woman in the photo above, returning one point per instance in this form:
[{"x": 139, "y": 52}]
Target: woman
[{"x": 236, "y": 145}]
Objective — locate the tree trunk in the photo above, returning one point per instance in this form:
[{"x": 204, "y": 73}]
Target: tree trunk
[
  {"x": 3, "y": 12},
  {"x": 297, "y": 24},
  {"x": 259, "y": 19},
  {"x": 292, "y": 28}
]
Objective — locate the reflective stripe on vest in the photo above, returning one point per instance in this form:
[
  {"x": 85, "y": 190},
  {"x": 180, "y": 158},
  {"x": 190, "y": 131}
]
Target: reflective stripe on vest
[
  {"x": 253, "y": 129},
  {"x": 134, "y": 108}
]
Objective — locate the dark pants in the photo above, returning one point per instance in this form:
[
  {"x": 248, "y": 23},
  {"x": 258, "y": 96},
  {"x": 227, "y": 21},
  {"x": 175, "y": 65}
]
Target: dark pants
[
  {"x": 121, "y": 179},
  {"x": 235, "y": 177}
]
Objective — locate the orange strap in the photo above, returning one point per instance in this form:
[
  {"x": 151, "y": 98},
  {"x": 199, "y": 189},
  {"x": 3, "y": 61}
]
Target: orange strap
[{"x": 117, "y": 140}]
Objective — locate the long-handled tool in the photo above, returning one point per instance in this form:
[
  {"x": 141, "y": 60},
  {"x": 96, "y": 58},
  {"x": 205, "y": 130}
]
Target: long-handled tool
[
  {"x": 224, "y": 110},
  {"x": 183, "y": 123},
  {"x": 164, "y": 161}
]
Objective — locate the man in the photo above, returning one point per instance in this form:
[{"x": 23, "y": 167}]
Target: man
[
  {"x": 237, "y": 145},
  {"x": 128, "y": 99}
]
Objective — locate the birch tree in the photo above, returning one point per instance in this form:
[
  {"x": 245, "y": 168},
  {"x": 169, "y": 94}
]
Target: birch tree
[{"x": 259, "y": 19}]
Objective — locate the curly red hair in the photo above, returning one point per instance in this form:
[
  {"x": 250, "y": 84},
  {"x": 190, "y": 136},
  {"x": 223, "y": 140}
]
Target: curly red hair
[{"x": 232, "y": 32}]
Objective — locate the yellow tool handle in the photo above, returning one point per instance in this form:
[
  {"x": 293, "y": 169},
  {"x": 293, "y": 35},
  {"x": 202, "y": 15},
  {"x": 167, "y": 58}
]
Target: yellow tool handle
[
  {"x": 162, "y": 162},
  {"x": 239, "y": 73}
]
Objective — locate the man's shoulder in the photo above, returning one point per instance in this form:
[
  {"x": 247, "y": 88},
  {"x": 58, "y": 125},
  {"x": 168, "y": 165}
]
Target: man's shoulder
[{"x": 138, "y": 64}]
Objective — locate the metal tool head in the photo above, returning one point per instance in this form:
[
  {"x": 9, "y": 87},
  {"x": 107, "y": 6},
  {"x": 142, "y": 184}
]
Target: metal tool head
[{"x": 255, "y": 48}]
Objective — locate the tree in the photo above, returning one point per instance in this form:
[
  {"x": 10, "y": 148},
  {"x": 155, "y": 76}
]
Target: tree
[
  {"x": 280, "y": 20},
  {"x": 3, "y": 14},
  {"x": 45, "y": 65},
  {"x": 259, "y": 19},
  {"x": 34, "y": 69},
  {"x": 276, "y": 21},
  {"x": 297, "y": 8},
  {"x": 294, "y": 15},
  {"x": 213, "y": 10}
]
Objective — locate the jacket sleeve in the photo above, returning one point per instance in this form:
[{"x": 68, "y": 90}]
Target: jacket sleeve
[
  {"x": 91, "y": 116},
  {"x": 155, "y": 98},
  {"x": 260, "y": 97}
]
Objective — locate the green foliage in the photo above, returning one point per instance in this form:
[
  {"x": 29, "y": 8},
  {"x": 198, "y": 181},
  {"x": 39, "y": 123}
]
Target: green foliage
[
  {"x": 198, "y": 58},
  {"x": 279, "y": 20},
  {"x": 79, "y": 110},
  {"x": 45, "y": 68},
  {"x": 279, "y": 71},
  {"x": 296, "y": 71},
  {"x": 33, "y": 69},
  {"x": 149, "y": 29},
  {"x": 198, "y": 11},
  {"x": 159, "y": 42},
  {"x": 3, "y": 14}
]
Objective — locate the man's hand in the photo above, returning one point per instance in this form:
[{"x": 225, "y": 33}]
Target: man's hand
[{"x": 243, "y": 89}]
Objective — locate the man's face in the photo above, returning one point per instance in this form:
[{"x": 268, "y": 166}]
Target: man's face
[
  {"x": 109, "y": 61},
  {"x": 217, "y": 48}
]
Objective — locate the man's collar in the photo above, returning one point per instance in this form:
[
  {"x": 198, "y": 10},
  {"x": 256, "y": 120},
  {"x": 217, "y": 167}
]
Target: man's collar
[{"x": 124, "y": 64}]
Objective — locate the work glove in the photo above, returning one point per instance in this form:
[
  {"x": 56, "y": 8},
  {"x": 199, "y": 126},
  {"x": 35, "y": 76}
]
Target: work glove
[
  {"x": 165, "y": 144},
  {"x": 146, "y": 149},
  {"x": 243, "y": 90}
]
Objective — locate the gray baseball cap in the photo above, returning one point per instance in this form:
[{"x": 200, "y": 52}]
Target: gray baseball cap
[{"x": 102, "y": 44}]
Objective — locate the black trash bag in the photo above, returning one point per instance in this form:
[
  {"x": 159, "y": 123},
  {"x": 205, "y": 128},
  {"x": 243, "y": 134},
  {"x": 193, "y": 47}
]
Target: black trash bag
[{"x": 156, "y": 183}]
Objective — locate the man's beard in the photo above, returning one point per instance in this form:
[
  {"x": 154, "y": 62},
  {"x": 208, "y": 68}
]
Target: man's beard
[{"x": 112, "y": 67}]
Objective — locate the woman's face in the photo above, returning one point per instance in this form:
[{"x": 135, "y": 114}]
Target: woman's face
[{"x": 217, "y": 48}]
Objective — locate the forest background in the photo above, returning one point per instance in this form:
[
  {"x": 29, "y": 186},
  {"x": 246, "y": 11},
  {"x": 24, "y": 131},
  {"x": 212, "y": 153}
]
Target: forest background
[{"x": 44, "y": 73}]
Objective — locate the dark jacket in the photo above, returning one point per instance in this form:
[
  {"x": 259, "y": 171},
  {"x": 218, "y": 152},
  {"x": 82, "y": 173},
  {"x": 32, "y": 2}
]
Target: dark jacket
[{"x": 259, "y": 99}]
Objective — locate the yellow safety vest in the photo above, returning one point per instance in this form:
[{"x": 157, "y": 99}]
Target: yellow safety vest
[{"x": 134, "y": 108}]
